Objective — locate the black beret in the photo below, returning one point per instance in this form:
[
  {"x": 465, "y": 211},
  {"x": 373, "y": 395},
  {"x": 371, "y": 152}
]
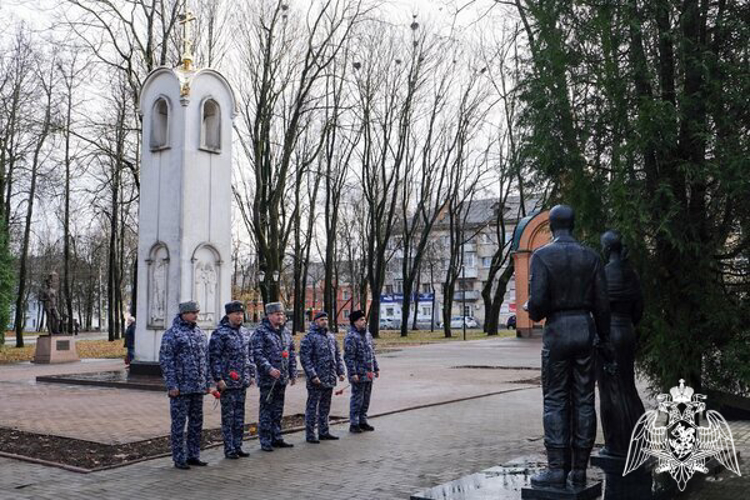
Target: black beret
[
  {"x": 355, "y": 315},
  {"x": 234, "y": 306}
]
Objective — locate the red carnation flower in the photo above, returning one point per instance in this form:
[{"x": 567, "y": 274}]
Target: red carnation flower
[
  {"x": 233, "y": 375},
  {"x": 285, "y": 354}
]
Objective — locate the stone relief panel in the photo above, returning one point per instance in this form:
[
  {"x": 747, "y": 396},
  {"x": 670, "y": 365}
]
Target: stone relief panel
[
  {"x": 206, "y": 273},
  {"x": 158, "y": 274}
]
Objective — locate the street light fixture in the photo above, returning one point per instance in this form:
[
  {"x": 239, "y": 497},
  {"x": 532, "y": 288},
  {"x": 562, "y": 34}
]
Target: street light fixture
[
  {"x": 261, "y": 283},
  {"x": 463, "y": 299}
]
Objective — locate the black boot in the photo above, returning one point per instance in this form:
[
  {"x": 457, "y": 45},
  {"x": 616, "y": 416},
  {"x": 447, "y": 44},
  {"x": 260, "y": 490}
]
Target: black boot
[
  {"x": 577, "y": 476},
  {"x": 280, "y": 443},
  {"x": 554, "y": 476}
]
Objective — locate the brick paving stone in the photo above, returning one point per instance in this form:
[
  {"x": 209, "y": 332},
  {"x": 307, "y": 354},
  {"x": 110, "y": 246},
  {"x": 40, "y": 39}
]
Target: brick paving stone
[
  {"x": 410, "y": 377},
  {"x": 409, "y": 451}
]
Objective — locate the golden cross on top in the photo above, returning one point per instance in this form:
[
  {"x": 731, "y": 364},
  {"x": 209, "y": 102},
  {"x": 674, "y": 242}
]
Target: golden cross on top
[{"x": 187, "y": 45}]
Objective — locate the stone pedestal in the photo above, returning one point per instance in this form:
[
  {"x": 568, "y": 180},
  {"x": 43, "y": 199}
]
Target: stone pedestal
[
  {"x": 508, "y": 482},
  {"x": 51, "y": 349},
  {"x": 591, "y": 491},
  {"x": 639, "y": 484}
]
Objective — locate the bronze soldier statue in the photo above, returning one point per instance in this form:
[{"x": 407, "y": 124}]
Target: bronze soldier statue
[
  {"x": 569, "y": 290},
  {"x": 619, "y": 403},
  {"x": 48, "y": 297}
]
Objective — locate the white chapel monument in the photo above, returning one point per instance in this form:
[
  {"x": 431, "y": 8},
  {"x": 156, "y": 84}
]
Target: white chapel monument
[{"x": 184, "y": 233}]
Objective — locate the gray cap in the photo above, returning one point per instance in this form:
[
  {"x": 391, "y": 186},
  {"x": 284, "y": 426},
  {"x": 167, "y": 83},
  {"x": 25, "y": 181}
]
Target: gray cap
[
  {"x": 189, "y": 306},
  {"x": 273, "y": 307}
]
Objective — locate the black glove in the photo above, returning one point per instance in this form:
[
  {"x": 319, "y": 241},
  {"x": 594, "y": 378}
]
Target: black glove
[{"x": 607, "y": 352}]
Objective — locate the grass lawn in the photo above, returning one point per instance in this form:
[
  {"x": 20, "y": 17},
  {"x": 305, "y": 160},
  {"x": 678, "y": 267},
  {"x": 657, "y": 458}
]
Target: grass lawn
[
  {"x": 10, "y": 334},
  {"x": 86, "y": 349},
  {"x": 390, "y": 339},
  {"x": 393, "y": 338}
]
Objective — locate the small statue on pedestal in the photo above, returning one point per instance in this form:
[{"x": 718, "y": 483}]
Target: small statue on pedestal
[{"x": 48, "y": 297}]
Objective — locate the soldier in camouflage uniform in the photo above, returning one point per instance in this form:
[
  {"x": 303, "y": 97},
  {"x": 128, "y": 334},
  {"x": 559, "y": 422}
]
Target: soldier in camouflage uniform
[
  {"x": 184, "y": 364},
  {"x": 233, "y": 372},
  {"x": 321, "y": 360},
  {"x": 362, "y": 368},
  {"x": 276, "y": 363}
]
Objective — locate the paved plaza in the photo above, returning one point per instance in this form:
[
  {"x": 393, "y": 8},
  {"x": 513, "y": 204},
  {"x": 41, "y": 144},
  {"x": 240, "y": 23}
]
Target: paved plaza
[{"x": 436, "y": 423}]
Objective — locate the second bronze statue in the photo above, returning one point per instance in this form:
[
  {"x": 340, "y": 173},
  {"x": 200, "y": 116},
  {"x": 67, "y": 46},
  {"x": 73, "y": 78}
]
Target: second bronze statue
[{"x": 620, "y": 407}]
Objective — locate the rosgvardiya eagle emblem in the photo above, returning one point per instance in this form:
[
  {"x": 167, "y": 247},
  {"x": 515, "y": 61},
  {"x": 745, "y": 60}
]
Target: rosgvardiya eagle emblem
[{"x": 681, "y": 446}]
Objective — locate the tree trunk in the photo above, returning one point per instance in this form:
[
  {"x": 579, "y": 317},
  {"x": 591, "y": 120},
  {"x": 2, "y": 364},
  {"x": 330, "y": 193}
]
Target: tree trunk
[
  {"x": 20, "y": 300},
  {"x": 492, "y": 313},
  {"x": 414, "y": 325},
  {"x": 66, "y": 218}
]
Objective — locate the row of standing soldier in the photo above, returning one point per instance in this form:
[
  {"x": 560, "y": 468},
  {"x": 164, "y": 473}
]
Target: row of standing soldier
[
  {"x": 588, "y": 307},
  {"x": 191, "y": 365}
]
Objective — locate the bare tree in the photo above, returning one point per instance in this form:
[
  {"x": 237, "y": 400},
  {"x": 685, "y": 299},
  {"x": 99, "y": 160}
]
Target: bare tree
[
  {"x": 427, "y": 187},
  {"x": 503, "y": 72},
  {"x": 340, "y": 142},
  {"x": 461, "y": 229},
  {"x": 46, "y": 77},
  {"x": 130, "y": 37},
  {"x": 284, "y": 58},
  {"x": 389, "y": 76},
  {"x": 303, "y": 233},
  {"x": 213, "y": 27},
  {"x": 71, "y": 74}
]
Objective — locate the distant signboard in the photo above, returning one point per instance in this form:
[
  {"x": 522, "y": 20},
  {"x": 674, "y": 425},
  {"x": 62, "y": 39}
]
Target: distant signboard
[{"x": 399, "y": 297}]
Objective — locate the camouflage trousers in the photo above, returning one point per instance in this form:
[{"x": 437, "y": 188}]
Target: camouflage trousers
[
  {"x": 317, "y": 410},
  {"x": 271, "y": 411},
  {"x": 359, "y": 402},
  {"x": 232, "y": 418},
  {"x": 188, "y": 409}
]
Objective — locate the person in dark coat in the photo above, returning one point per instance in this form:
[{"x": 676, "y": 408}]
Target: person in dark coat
[
  {"x": 129, "y": 340},
  {"x": 362, "y": 368},
  {"x": 276, "y": 364},
  {"x": 568, "y": 289},
  {"x": 620, "y": 407},
  {"x": 184, "y": 364},
  {"x": 233, "y": 372},
  {"x": 321, "y": 359}
]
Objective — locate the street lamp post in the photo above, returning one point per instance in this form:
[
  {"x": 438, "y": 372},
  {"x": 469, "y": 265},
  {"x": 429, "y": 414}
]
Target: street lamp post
[
  {"x": 463, "y": 298},
  {"x": 262, "y": 286},
  {"x": 276, "y": 275},
  {"x": 432, "y": 285}
]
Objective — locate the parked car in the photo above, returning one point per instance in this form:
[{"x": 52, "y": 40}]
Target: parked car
[
  {"x": 389, "y": 324},
  {"x": 511, "y": 323},
  {"x": 458, "y": 322}
]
